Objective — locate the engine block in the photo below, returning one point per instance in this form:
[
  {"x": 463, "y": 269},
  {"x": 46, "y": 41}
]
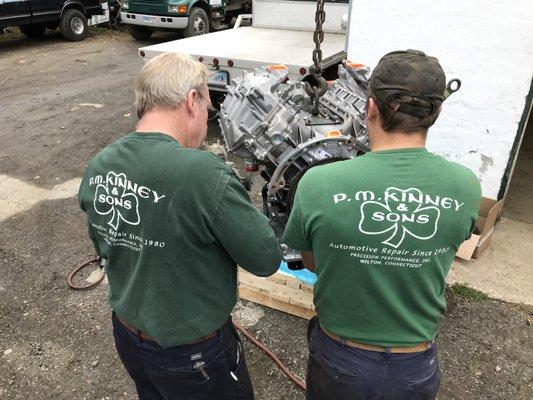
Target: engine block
[{"x": 268, "y": 120}]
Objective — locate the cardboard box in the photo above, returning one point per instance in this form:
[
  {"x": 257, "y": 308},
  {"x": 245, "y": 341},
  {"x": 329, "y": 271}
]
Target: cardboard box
[{"x": 489, "y": 210}]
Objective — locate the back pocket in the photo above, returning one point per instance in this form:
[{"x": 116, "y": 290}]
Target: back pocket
[{"x": 424, "y": 387}]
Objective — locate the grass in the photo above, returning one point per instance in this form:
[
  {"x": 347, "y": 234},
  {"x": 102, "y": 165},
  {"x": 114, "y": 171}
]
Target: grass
[
  {"x": 94, "y": 31},
  {"x": 13, "y": 33},
  {"x": 104, "y": 29},
  {"x": 468, "y": 292}
]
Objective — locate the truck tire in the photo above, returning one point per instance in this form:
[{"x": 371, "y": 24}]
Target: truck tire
[
  {"x": 139, "y": 32},
  {"x": 33, "y": 31},
  {"x": 73, "y": 25},
  {"x": 198, "y": 23}
]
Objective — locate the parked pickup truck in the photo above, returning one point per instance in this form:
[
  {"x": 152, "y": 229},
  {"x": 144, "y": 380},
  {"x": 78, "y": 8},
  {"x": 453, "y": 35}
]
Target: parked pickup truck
[
  {"x": 33, "y": 17},
  {"x": 192, "y": 17}
]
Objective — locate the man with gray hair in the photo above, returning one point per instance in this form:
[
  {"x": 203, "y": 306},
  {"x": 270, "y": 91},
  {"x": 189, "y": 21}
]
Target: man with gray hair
[{"x": 174, "y": 222}]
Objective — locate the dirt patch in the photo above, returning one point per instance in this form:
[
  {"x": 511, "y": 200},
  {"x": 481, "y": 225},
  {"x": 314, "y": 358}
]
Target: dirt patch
[{"x": 56, "y": 343}]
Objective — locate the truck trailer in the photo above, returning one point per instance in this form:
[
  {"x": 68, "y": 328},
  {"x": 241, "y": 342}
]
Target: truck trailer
[{"x": 281, "y": 34}]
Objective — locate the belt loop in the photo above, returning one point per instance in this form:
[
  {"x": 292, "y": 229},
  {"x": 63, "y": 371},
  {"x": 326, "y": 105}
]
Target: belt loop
[
  {"x": 387, "y": 354},
  {"x": 342, "y": 342},
  {"x": 139, "y": 336},
  {"x": 431, "y": 346}
]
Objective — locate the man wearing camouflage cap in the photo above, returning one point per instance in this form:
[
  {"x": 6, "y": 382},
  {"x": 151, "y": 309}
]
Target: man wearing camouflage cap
[{"x": 381, "y": 232}]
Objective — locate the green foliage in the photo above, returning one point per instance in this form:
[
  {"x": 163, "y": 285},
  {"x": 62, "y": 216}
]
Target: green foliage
[{"x": 468, "y": 292}]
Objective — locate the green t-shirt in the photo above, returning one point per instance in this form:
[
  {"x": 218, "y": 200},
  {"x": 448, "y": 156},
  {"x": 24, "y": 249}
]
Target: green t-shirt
[
  {"x": 173, "y": 223},
  {"x": 384, "y": 228}
]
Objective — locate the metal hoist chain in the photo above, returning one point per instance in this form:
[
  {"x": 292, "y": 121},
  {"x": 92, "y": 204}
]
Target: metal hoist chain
[
  {"x": 315, "y": 85},
  {"x": 318, "y": 37}
]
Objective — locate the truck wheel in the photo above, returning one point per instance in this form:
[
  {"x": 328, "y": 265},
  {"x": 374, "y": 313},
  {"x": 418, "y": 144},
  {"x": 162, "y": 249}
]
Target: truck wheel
[
  {"x": 33, "y": 31},
  {"x": 139, "y": 33},
  {"x": 198, "y": 23},
  {"x": 73, "y": 25}
]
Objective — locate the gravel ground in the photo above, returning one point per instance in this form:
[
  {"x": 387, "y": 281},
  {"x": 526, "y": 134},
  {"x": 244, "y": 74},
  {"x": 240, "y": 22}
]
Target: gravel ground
[{"x": 62, "y": 102}]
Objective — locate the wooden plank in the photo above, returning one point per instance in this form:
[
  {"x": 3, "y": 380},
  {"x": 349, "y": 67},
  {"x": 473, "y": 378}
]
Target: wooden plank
[
  {"x": 303, "y": 299},
  {"x": 263, "y": 299},
  {"x": 307, "y": 288},
  {"x": 278, "y": 278},
  {"x": 265, "y": 284},
  {"x": 279, "y": 291},
  {"x": 275, "y": 295},
  {"x": 295, "y": 282},
  {"x": 291, "y": 283}
]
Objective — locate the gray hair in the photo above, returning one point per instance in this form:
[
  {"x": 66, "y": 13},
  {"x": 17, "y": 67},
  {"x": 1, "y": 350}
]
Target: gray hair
[{"x": 166, "y": 80}]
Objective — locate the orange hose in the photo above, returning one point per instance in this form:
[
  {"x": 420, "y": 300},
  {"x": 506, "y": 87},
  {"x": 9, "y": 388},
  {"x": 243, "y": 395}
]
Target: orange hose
[
  {"x": 70, "y": 277},
  {"x": 297, "y": 381}
]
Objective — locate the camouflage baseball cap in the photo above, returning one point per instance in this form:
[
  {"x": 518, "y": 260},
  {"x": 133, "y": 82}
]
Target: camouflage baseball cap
[{"x": 409, "y": 81}]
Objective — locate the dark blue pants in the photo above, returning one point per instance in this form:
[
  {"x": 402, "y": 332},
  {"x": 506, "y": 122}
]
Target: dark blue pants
[
  {"x": 339, "y": 372},
  {"x": 212, "y": 369}
]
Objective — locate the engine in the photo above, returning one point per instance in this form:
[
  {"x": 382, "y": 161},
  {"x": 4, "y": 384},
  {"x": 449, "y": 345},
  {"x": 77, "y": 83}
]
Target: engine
[{"x": 276, "y": 126}]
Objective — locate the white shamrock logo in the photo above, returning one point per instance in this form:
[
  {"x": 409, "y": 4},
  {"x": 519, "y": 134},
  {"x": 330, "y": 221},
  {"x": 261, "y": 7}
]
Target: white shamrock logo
[
  {"x": 115, "y": 200},
  {"x": 398, "y": 218}
]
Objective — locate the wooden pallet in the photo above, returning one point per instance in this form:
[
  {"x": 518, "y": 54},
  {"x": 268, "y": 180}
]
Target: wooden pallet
[{"x": 279, "y": 291}]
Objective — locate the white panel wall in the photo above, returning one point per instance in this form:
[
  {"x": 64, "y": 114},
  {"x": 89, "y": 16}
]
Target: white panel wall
[
  {"x": 488, "y": 44},
  {"x": 296, "y": 15}
]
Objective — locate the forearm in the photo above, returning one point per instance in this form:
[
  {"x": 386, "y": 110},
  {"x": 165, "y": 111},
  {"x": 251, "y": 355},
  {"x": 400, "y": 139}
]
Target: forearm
[
  {"x": 245, "y": 233},
  {"x": 308, "y": 259}
]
